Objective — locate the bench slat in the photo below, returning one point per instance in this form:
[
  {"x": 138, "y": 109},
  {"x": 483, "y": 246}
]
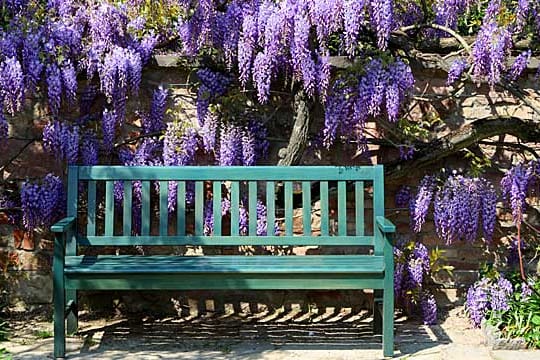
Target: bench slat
[
  {"x": 270, "y": 207},
  {"x": 91, "y": 212},
  {"x": 199, "y": 207},
  {"x": 127, "y": 208},
  {"x": 252, "y": 211},
  {"x": 235, "y": 208},
  {"x": 224, "y": 264},
  {"x": 180, "y": 208},
  {"x": 226, "y": 240},
  {"x": 226, "y": 281},
  {"x": 216, "y": 207},
  {"x": 109, "y": 208},
  {"x": 324, "y": 208},
  {"x": 163, "y": 208},
  {"x": 288, "y": 208},
  {"x": 359, "y": 202},
  {"x": 232, "y": 173},
  {"x": 306, "y": 207},
  {"x": 342, "y": 208},
  {"x": 145, "y": 211}
]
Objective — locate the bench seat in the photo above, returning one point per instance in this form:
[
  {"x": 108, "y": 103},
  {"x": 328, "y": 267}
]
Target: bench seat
[
  {"x": 224, "y": 272},
  {"x": 137, "y": 264}
]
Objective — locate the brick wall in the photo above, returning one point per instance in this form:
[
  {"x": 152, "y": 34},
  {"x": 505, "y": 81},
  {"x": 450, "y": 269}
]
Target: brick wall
[{"x": 27, "y": 258}]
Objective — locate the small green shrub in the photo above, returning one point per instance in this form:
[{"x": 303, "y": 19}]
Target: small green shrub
[
  {"x": 43, "y": 334},
  {"x": 5, "y": 355},
  {"x": 522, "y": 319}
]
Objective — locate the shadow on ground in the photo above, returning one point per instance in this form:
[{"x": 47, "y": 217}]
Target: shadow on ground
[{"x": 275, "y": 335}]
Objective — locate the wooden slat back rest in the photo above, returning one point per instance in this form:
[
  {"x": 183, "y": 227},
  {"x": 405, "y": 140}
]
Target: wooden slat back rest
[{"x": 189, "y": 189}]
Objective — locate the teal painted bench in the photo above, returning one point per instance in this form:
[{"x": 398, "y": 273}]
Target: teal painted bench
[{"x": 102, "y": 222}]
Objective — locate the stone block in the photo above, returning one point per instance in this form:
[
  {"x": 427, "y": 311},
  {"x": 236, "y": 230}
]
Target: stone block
[
  {"x": 32, "y": 288},
  {"x": 6, "y": 235},
  {"x": 24, "y": 240},
  {"x": 34, "y": 261}
]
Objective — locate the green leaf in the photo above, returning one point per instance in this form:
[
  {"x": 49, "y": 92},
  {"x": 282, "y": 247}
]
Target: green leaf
[{"x": 536, "y": 320}]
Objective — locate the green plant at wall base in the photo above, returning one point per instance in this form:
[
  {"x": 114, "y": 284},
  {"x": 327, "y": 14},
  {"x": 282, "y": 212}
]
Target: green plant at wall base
[
  {"x": 522, "y": 319},
  {"x": 43, "y": 334},
  {"x": 437, "y": 262},
  {"x": 5, "y": 355}
]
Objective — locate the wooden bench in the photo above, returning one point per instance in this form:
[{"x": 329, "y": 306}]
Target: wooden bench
[{"x": 102, "y": 223}]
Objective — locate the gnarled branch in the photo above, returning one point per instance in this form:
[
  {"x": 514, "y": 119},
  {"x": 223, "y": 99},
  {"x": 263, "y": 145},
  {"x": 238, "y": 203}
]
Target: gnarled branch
[{"x": 471, "y": 134}]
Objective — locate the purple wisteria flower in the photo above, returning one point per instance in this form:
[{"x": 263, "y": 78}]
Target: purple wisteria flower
[
  {"x": 403, "y": 197},
  {"x": 519, "y": 65},
  {"x": 420, "y": 205},
  {"x": 456, "y": 70},
  {"x": 42, "y": 203},
  {"x": 12, "y": 85}
]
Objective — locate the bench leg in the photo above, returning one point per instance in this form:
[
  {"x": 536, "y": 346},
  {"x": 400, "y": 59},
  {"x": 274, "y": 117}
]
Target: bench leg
[
  {"x": 377, "y": 311},
  {"x": 388, "y": 321},
  {"x": 59, "y": 309},
  {"x": 72, "y": 316}
]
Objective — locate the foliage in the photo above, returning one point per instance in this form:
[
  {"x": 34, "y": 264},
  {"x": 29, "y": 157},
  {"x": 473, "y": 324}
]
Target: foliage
[
  {"x": 509, "y": 304},
  {"x": 522, "y": 319},
  {"x": 414, "y": 268},
  {"x": 5, "y": 355}
]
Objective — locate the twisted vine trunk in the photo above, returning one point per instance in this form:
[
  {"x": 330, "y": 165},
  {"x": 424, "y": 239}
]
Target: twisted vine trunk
[{"x": 292, "y": 154}]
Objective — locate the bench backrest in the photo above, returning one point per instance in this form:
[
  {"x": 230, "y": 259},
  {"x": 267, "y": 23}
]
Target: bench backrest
[{"x": 96, "y": 186}]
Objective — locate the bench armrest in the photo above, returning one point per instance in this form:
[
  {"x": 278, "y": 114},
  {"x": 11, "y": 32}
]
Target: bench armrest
[
  {"x": 63, "y": 225},
  {"x": 385, "y": 225}
]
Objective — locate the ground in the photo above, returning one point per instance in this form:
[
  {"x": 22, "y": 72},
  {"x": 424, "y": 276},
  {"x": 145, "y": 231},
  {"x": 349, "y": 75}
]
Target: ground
[{"x": 279, "y": 335}]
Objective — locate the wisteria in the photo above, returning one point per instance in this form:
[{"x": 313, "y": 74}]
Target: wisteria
[
  {"x": 516, "y": 185},
  {"x": 490, "y": 50},
  {"x": 456, "y": 70},
  {"x": 54, "y": 87},
  {"x": 42, "y": 203},
  {"x": 62, "y": 141},
  {"x": 180, "y": 146},
  {"x": 89, "y": 151},
  {"x": 412, "y": 272},
  {"x": 448, "y": 11},
  {"x": 12, "y": 85},
  {"x": 477, "y": 303},
  {"x": 403, "y": 197},
  {"x": 213, "y": 85},
  {"x": 283, "y": 31},
  {"x": 519, "y": 65},
  {"x": 420, "y": 205},
  {"x": 154, "y": 121},
  {"x": 487, "y": 295},
  {"x": 354, "y": 98},
  {"x": 429, "y": 309},
  {"x": 108, "y": 128},
  {"x": 460, "y": 205}
]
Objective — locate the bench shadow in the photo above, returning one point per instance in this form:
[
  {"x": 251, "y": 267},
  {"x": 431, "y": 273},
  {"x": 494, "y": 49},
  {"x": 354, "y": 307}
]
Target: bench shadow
[{"x": 229, "y": 333}]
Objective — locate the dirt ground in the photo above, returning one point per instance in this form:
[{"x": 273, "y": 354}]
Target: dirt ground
[{"x": 276, "y": 335}]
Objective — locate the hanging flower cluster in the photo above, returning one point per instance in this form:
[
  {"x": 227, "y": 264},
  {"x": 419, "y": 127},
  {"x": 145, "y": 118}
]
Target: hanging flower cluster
[
  {"x": 263, "y": 37},
  {"x": 379, "y": 89},
  {"x": 460, "y": 203},
  {"x": 412, "y": 271},
  {"x": 487, "y": 295},
  {"x": 517, "y": 184},
  {"x": 42, "y": 203}
]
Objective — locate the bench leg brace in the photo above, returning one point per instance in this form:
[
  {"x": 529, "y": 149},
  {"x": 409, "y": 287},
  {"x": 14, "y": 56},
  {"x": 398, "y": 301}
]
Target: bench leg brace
[{"x": 72, "y": 316}]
